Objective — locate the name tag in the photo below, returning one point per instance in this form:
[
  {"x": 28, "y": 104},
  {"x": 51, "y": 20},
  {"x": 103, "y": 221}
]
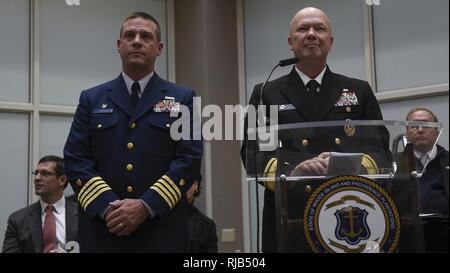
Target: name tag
[
  {"x": 102, "y": 111},
  {"x": 286, "y": 107}
]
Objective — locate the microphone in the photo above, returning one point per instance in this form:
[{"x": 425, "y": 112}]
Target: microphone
[
  {"x": 288, "y": 62},
  {"x": 281, "y": 63}
]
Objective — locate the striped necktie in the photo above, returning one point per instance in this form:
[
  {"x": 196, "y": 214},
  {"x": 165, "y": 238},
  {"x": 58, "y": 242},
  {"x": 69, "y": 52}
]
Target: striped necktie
[{"x": 49, "y": 230}]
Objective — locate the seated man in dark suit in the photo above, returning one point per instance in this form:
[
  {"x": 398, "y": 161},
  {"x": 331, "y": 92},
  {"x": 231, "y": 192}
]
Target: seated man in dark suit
[
  {"x": 434, "y": 183},
  {"x": 47, "y": 225},
  {"x": 202, "y": 229}
]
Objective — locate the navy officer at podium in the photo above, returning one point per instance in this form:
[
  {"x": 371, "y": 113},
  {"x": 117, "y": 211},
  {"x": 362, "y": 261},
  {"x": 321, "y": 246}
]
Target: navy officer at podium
[
  {"x": 129, "y": 174},
  {"x": 312, "y": 92}
]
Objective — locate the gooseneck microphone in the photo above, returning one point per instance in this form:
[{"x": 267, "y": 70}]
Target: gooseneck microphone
[
  {"x": 288, "y": 62},
  {"x": 281, "y": 63}
]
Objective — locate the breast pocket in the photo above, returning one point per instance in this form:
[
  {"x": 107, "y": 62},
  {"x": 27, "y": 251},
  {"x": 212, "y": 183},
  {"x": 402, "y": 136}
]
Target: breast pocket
[
  {"x": 103, "y": 133},
  {"x": 344, "y": 112},
  {"x": 159, "y": 130}
]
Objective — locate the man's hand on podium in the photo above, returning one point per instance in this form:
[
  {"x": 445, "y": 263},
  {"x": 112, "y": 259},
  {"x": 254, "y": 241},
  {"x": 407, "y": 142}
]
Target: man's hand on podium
[{"x": 315, "y": 166}]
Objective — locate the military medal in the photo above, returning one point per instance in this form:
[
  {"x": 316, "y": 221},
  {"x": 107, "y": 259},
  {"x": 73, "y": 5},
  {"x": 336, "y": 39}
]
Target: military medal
[
  {"x": 167, "y": 105},
  {"x": 347, "y": 98}
]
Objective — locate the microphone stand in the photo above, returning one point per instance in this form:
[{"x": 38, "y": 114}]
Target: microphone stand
[{"x": 281, "y": 63}]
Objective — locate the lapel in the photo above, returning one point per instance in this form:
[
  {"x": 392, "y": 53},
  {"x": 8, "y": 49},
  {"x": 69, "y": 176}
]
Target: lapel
[
  {"x": 153, "y": 93},
  {"x": 443, "y": 161},
  {"x": 118, "y": 93},
  {"x": 330, "y": 91},
  {"x": 295, "y": 92},
  {"x": 35, "y": 226},
  {"x": 71, "y": 220}
]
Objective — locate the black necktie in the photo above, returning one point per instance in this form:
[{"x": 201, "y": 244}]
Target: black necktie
[
  {"x": 312, "y": 87},
  {"x": 135, "y": 88}
]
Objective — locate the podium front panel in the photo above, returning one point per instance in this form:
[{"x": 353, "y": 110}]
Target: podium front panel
[{"x": 339, "y": 186}]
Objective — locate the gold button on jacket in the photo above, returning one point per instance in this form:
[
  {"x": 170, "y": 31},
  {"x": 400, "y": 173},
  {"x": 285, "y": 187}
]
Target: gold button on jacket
[
  {"x": 130, "y": 145},
  {"x": 129, "y": 167}
]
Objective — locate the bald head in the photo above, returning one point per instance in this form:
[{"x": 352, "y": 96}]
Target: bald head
[
  {"x": 311, "y": 40},
  {"x": 310, "y": 12}
]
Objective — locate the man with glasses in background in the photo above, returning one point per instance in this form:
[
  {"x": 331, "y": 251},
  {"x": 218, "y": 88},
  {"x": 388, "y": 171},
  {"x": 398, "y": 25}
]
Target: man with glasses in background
[
  {"x": 46, "y": 225},
  {"x": 434, "y": 183}
]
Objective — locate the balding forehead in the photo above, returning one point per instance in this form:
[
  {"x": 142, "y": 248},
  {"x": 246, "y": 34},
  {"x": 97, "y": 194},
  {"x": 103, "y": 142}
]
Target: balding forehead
[{"x": 311, "y": 11}]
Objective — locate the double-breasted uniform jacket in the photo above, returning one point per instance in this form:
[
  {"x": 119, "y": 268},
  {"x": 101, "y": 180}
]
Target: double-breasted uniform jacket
[
  {"x": 113, "y": 152},
  {"x": 340, "y": 98},
  {"x": 24, "y": 231}
]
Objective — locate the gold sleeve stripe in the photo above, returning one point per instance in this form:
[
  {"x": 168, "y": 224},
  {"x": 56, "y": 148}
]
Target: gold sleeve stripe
[
  {"x": 87, "y": 188},
  {"x": 271, "y": 173},
  {"x": 271, "y": 168},
  {"x": 91, "y": 189},
  {"x": 269, "y": 165},
  {"x": 93, "y": 192},
  {"x": 95, "y": 196},
  {"x": 174, "y": 186},
  {"x": 92, "y": 180},
  {"x": 163, "y": 196},
  {"x": 171, "y": 192},
  {"x": 166, "y": 193},
  {"x": 369, "y": 163}
]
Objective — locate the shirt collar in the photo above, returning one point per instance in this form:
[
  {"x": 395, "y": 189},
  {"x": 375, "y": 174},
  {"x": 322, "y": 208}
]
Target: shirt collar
[
  {"x": 306, "y": 79},
  {"x": 59, "y": 205},
  {"x": 431, "y": 154},
  {"x": 142, "y": 82}
]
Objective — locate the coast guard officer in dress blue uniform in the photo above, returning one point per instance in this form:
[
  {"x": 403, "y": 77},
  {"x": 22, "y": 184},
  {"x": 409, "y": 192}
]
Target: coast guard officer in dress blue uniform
[{"x": 129, "y": 175}]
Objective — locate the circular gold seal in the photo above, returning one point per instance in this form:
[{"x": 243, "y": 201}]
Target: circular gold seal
[{"x": 351, "y": 214}]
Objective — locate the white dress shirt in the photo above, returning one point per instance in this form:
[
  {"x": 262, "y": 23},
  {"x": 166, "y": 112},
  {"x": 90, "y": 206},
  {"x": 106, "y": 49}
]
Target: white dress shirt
[
  {"x": 306, "y": 79},
  {"x": 142, "y": 82},
  {"x": 430, "y": 155}
]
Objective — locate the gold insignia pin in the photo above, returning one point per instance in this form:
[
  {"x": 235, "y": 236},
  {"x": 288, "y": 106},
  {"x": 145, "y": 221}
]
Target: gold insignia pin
[{"x": 349, "y": 129}]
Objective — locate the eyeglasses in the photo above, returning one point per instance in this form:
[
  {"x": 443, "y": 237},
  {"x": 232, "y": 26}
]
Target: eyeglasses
[
  {"x": 42, "y": 172},
  {"x": 417, "y": 127}
]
